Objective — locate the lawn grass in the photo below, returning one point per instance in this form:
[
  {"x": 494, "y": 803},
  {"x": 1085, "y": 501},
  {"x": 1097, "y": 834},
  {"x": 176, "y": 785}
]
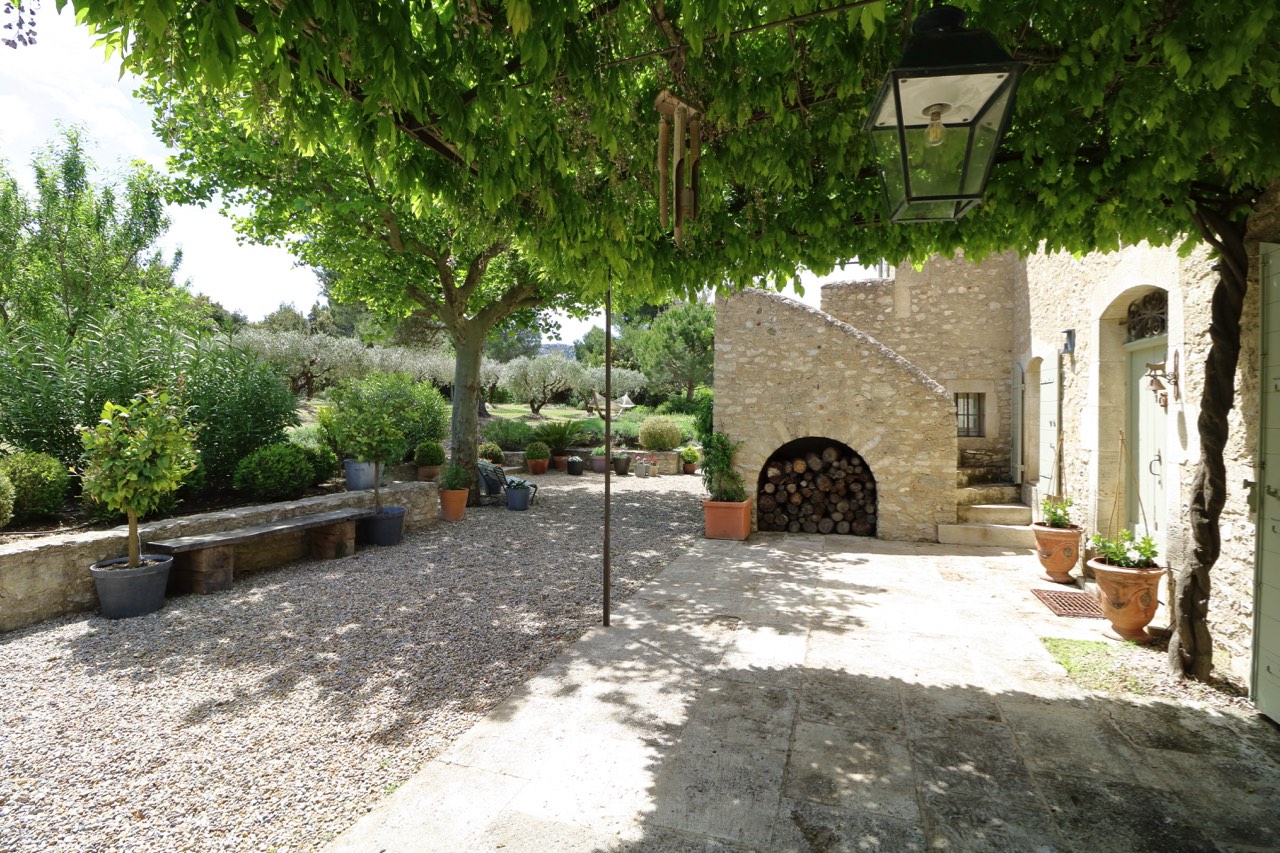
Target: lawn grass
[
  {"x": 520, "y": 410},
  {"x": 1096, "y": 664}
]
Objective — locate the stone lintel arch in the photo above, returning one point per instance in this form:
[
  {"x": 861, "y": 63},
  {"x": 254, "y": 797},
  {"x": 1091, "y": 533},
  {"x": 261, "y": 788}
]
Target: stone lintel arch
[{"x": 785, "y": 370}]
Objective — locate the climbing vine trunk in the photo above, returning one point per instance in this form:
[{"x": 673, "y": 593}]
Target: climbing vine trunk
[
  {"x": 469, "y": 344},
  {"x": 1191, "y": 646}
]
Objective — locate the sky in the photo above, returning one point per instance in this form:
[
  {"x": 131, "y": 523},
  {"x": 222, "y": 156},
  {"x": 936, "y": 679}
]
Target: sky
[{"x": 63, "y": 78}]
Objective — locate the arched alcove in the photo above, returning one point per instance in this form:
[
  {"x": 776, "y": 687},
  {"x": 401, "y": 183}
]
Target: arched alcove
[{"x": 816, "y": 485}]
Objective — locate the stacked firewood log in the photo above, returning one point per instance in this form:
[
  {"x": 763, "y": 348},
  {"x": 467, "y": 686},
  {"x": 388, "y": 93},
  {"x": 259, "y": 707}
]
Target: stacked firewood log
[{"x": 828, "y": 492}]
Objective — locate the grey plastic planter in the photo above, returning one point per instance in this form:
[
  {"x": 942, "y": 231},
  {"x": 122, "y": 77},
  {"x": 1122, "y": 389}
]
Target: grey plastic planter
[{"x": 125, "y": 593}]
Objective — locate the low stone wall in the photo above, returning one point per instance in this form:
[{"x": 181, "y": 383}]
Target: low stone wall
[{"x": 49, "y": 576}]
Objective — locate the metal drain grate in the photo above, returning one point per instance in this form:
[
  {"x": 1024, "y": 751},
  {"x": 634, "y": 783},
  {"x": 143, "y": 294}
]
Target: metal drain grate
[{"x": 1065, "y": 603}]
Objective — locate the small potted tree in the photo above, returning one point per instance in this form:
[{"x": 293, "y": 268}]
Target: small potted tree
[
  {"x": 369, "y": 421},
  {"x": 727, "y": 514},
  {"x": 1057, "y": 540},
  {"x": 536, "y": 456},
  {"x": 428, "y": 456},
  {"x": 1128, "y": 583},
  {"x": 455, "y": 488},
  {"x": 518, "y": 495},
  {"x": 689, "y": 459},
  {"x": 136, "y": 456}
]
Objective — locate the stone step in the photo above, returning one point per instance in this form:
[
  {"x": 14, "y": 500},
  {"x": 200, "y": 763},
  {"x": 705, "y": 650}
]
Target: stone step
[
  {"x": 989, "y": 493},
  {"x": 976, "y": 476},
  {"x": 987, "y": 535},
  {"x": 1004, "y": 513}
]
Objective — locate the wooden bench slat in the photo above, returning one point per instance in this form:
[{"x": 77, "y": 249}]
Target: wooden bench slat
[{"x": 246, "y": 534}]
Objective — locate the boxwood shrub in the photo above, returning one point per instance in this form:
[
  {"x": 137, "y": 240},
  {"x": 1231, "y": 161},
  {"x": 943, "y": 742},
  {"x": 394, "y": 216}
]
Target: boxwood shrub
[
  {"x": 39, "y": 482},
  {"x": 276, "y": 472}
]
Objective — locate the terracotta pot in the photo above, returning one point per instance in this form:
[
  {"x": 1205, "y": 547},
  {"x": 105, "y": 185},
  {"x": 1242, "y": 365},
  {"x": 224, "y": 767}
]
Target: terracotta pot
[
  {"x": 536, "y": 466},
  {"x": 428, "y": 473},
  {"x": 727, "y": 519},
  {"x": 1129, "y": 598},
  {"x": 690, "y": 467},
  {"x": 1058, "y": 549},
  {"x": 453, "y": 504},
  {"x": 560, "y": 462}
]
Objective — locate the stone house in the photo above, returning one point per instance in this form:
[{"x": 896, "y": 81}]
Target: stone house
[{"x": 968, "y": 391}]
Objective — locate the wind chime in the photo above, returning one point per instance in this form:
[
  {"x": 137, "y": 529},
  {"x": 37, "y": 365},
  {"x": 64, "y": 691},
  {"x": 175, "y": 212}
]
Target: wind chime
[{"x": 678, "y": 156}]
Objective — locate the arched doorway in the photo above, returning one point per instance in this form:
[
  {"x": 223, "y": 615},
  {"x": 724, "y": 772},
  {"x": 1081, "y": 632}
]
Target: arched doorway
[
  {"x": 1132, "y": 414},
  {"x": 816, "y": 485}
]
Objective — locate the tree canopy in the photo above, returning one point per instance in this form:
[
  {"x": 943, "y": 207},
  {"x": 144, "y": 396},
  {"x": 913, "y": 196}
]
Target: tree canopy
[{"x": 542, "y": 114}]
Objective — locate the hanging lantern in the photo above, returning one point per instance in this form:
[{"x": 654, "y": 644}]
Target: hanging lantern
[{"x": 937, "y": 122}]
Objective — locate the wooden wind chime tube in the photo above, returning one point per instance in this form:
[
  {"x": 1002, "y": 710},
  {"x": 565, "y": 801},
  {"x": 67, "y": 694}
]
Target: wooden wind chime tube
[{"x": 678, "y": 156}]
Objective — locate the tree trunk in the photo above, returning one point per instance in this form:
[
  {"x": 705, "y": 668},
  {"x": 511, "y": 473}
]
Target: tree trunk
[
  {"x": 469, "y": 345},
  {"x": 1191, "y": 646},
  {"x": 135, "y": 551}
]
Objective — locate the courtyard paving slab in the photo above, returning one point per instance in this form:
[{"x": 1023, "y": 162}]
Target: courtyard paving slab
[{"x": 811, "y": 693}]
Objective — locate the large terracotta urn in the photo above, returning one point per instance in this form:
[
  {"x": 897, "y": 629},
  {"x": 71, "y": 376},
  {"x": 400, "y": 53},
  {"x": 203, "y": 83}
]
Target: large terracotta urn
[
  {"x": 1129, "y": 598},
  {"x": 1058, "y": 549}
]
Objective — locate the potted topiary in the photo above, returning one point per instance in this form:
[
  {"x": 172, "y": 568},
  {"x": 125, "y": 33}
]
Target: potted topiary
[
  {"x": 517, "y": 495},
  {"x": 455, "y": 488},
  {"x": 536, "y": 456},
  {"x": 573, "y": 466},
  {"x": 135, "y": 457},
  {"x": 1057, "y": 540},
  {"x": 1128, "y": 583},
  {"x": 599, "y": 459},
  {"x": 727, "y": 514},
  {"x": 368, "y": 419},
  {"x": 689, "y": 459},
  {"x": 428, "y": 456}
]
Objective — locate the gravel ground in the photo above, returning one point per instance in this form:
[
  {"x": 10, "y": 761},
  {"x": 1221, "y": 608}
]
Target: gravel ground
[{"x": 272, "y": 716}]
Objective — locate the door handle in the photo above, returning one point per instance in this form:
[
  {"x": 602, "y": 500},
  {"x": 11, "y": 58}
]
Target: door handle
[{"x": 1155, "y": 461}]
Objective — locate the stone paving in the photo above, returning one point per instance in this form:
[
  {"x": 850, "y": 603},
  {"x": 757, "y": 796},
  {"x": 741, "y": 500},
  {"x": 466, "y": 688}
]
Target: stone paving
[{"x": 810, "y": 693}]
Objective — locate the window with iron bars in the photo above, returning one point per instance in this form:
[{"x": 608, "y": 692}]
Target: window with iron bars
[{"x": 969, "y": 415}]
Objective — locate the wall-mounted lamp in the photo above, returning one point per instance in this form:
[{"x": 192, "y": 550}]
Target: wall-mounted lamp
[
  {"x": 1161, "y": 381},
  {"x": 1068, "y": 341}
]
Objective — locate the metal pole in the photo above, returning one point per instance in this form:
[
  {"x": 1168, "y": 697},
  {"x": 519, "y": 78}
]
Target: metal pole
[{"x": 608, "y": 434}]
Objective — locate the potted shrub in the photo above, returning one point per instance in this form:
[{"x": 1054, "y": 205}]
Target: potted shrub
[
  {"x": 455, "y": 488},
  {"x": 428, "y": 456},
  {"x": 599, "y": 459},
  {"x": 491, "y": 452},
  {"x": 368, "y": 421},
  {"x": 517, "y": 495},
  {"x": 536, "y": 455},
  {"x": 559, "y": 436},
  {"x": 621, "y": 464},
  {"x": 727, "y": 514},
  {"x": 1057, "y": 540},
  {"x": 573, "y": 466},
  {"x": 135, "y": 457},
  {"x": 689, "y": 459},
  {"x": 1128, "y": 583}
]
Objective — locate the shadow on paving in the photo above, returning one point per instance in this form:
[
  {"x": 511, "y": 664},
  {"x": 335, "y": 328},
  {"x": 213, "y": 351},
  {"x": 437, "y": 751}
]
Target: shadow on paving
[{"x": 770, "y": 697}]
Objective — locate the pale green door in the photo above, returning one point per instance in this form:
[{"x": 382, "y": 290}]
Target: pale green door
[
  {"x": 1266, "y": 610},
  {"x": 1148, "y": 453}
]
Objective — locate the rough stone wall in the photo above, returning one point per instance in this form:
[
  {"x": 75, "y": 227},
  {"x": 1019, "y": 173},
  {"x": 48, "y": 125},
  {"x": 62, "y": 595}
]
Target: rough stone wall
[
  {"x": 786, "y": 371},
  {"x": 955, "y": 321},
  {"x": 49, "y": 577},
  {"x": 1089, "y": 294}
]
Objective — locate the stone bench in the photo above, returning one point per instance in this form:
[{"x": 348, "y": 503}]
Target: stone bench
[{"x": 206, "y": 562}]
